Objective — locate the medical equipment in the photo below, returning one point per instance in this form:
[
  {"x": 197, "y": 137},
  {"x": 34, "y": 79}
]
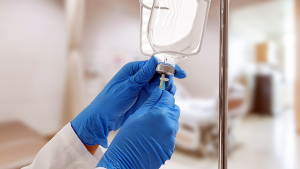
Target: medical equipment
[
  {"x": 172, "y": 31},
  {"x": 223, "y": 85},
  {"x": 160, "y": 22},
  {"x": 198, "y": 122}
]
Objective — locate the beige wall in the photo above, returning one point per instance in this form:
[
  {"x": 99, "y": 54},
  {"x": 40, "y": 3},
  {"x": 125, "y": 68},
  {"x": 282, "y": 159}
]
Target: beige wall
[
  {"x": 110, "y": 40},
  {"x": 32, "y": 62}
]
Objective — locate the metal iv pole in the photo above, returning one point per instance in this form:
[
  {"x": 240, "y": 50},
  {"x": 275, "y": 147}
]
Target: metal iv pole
[{"x": 223, "y": 84}]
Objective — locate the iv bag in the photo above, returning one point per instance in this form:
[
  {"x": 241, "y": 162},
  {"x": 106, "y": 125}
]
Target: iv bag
[{"x": 173, "y": 29}]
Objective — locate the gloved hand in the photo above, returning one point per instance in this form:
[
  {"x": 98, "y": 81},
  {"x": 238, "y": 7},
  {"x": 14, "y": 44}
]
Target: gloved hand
[
  {"x": 147, "y": 139},
  {"x": 124, "y": 94},
  {"x": 146, "y": 91}
]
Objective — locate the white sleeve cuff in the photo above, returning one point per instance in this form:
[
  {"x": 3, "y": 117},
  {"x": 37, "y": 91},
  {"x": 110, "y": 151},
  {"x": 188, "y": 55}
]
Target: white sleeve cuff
[
  {"x": 65, "y": 150},
  {"x": 71, "y": 139}
]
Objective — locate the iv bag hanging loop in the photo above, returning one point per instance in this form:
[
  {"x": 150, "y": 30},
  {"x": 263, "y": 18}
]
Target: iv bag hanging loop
[{"x": 144, "y": 5}]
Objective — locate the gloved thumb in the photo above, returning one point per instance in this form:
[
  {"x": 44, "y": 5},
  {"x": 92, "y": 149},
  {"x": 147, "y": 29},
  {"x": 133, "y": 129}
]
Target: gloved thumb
[
  {"x": 145, "y": 74},
  {"x": 150, "y": 102}
]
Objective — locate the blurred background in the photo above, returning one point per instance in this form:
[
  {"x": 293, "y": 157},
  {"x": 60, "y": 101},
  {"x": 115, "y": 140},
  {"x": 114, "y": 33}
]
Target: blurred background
[{"x": 57, "y": 55}]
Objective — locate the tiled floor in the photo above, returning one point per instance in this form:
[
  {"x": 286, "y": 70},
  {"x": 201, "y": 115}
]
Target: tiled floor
[{"x": 265, "y": 143}]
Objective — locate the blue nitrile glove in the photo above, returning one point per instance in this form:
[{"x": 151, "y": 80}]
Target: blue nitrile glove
[
  {"x": 147, "y": 139},
  {"x": 146, "y": 91},
  {"x": 124, "y": 94}
]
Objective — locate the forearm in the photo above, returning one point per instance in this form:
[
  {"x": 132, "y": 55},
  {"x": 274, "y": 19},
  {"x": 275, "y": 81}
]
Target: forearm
[{"x": 92, "y": 149}]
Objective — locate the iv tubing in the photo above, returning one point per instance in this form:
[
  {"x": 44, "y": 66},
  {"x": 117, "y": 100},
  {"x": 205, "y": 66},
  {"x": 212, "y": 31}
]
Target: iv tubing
[{"x": 163, "y": 81}]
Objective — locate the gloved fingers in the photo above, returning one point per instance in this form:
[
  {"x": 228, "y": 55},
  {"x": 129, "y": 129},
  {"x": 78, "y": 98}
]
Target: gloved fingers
[
  {"x": 155, "y": 81},
  {"x": 174, "y": 136},
  {"x": 166, "y": 99},
  {"x": 155, "y": 77},
  {"x": 169, "y": 83},
  {"x": 172, "y": 89},
  {"x": 179, "y": 73},
  {"x": 176, "y": 112},
  {"x": 104, "y": 162},
  {"x": 145, "y": 73},
  {"x": 132, "y": 68},
  {"x": 161, "y": 111},
  {"x": 176, "y": 128},
  {"x": 152, "y": 100},
  {"x": 173, "y": 149}
]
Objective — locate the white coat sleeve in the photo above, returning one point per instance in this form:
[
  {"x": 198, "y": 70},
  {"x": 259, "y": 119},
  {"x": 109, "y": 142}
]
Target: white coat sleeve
[{"x": 65, "y": 151}]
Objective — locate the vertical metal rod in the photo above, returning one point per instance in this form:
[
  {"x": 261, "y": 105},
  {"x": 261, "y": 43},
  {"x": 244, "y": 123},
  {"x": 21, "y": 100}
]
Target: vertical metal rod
[{"x": 223, "y": 84}]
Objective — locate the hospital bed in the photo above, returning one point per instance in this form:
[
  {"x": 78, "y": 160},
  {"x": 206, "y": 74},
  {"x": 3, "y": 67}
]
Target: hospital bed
[{"x": 198, "y": 122}]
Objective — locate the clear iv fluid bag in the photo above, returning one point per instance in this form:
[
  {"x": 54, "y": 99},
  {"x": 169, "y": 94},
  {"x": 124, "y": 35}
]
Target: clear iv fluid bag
[
  {"x": 171, "y": 26},
  {"x": 176, "y": 27}
]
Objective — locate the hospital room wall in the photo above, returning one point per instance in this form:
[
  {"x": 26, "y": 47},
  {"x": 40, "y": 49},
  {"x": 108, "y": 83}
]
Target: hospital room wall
[
  {"x": 32, "y": 62},
  {"x": 33, "y": 50},
  {"x": 110, "y": 40},
  {"x": 33, "y": 74}
]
